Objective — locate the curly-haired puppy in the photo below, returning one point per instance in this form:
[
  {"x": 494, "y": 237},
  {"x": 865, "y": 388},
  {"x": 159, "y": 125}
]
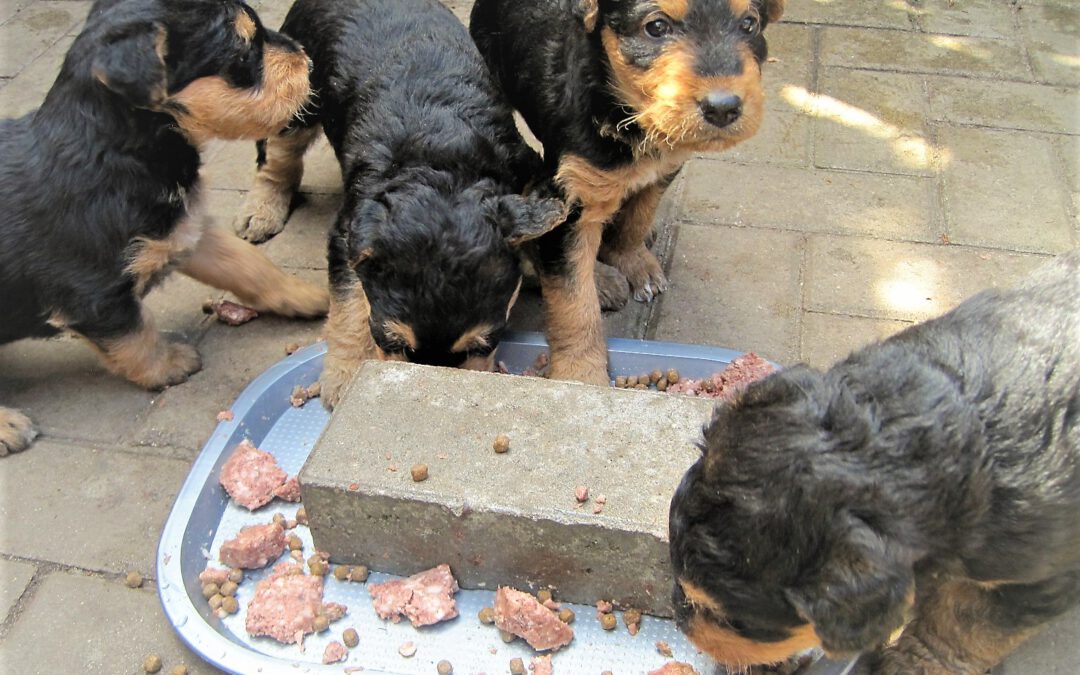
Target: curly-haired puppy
[
  {"x": 620, "y": 93},
  {"x": 919, "y": 502},
  {"x": 99, "y": 187},
  {"x": 422, "y": 256}
]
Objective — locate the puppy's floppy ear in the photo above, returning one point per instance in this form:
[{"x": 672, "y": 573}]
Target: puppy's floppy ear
[
  {"x": 130, "y": 60},
  {"x": 774, "y": 9},
  {"x": 863, "y": 593},
  {"x": 367, "y": 218},
  {"x": 588, "y": 11},
  {"x": 522, "y": 219}
]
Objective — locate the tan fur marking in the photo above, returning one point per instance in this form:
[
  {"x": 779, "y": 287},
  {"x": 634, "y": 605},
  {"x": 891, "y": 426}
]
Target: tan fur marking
[
  {"x": 266, "y": 207},
  {"x": 348, "y": 342},
  {"x": 16, "y": 431},
  {"x": 211, "y": 108},
  {"x": 733, "y": 650},
  {"x": 474, "y": 338},
  {"x": 245, "y": 27},
  {"x": 676, "y": 9},
  {"x": 590, "y": 12},
  {"x": 401, "y": 332},
  {"x": 146, "y": 359},
  {"x": 150, "y": 260},
  {"x": 225, "y": 261}
]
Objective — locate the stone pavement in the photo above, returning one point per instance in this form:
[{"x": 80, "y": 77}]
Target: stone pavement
[{"x": 913, "y": 153}]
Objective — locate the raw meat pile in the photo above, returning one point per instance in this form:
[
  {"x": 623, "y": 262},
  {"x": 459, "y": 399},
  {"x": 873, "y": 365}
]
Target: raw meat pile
[
  {"x": 286, "y": 603},
  {"x": 425, "y": 598},
  {"x": 253, "y": 478},
  {"x": 231, "y": 313},
  {"x": 725, "y": 384},
  {"x": 522, "y": 615},
  {"x": 254, "y": 546}
]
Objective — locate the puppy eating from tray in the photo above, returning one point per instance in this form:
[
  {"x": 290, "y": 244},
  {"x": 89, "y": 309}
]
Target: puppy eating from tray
[
  {"x": 99, "y": 186},
  {"x": 918, "y": 503},
  {"x": 620, "y": 93}
]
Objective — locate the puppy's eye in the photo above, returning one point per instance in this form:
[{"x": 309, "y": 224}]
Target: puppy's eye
[
  {"x": 749, "y": 25},
  {"x": 658, "y": 28}
]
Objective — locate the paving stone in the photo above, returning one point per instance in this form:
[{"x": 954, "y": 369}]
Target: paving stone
[
  {"x": 872, "y": 121},
  {"x": 983, "y": 18},
  {"x": 1054, "y": 651},
  {"x": 1007, "y": 105},
  {"x": 25, "y": 92},
  {"x": 95, "y": 509},
  {"x": 1052, "y": 33},
  {"x": 8, "y": 8},
  {"x": 516, "y": 521},
  {"x": 922, "y": 53},
  {"x": 737, "y": 288},
  {"x": 34, "y": 29},
  {"x": 1004, "y": 190},
  {"x": 231, "y": 165},
  {"x": 303, "y": 242},
  {"x": 14, "y": 578},
  {"x": 900, "y": 280},
  {"x": 898, "y": 15},
  {"x": 85, "y": 624},
  {"x": 828, "y": 338},
  {"x": 807, "y": 200},
  {"x": 782, "y": 139},
  {"x": 789, "y": 65}
]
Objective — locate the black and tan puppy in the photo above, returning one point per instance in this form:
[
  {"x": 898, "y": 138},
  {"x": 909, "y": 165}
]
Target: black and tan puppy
[
  {"x": 99, "y": 187},
  {"x": 620, "y": 93},
  {"x": 422, "y": 261},
  {"x": 919, "y": 502}
]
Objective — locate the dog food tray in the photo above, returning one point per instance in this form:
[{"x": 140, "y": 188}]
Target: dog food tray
[{"x": 203, "y": 517}]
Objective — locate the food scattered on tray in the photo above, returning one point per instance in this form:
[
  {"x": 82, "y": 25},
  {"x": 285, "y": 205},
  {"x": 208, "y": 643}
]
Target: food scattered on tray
[
  {"x": 334, "y": 653},
  {"x": 253, "y": 478},
  {"x": 675, "y": 668},
  {"x": 632, "y": 619},
  {"x": 254, "y": 546},
  {"x": 541, "y": 665},
  {"x": 287, "y": 605},
  {"x": 407, "y": 649},
  {"x": 663, "y": 648},
  {"x": 425, "y": 598},
  {"x": 725, "y": 384},
  {"x": 524, "y": 616},
  {"x": 350, "y": 637},
  {"x": 228, "y": 312},
  {"x": 301, "y": 394},
  {"x": 444, "y": 667}
]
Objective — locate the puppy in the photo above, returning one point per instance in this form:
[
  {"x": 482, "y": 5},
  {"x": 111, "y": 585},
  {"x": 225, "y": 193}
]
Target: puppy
[
  {"x": 918, "y": 503},
  {"x": 620, "y": 93},
  {"x": 99, "y": 187},
  {"x": 422, "y": 255}
]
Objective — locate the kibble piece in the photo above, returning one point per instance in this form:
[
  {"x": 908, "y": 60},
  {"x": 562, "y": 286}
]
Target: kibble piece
[
  {"x": 631, "y": 616},
  {"x": 419, "y": 472},
  {"x": 672, "y": 376},
  {"x": 341, "y": 572},
  {"x": 501, "y": 444},
  {"x": 620, "y": 381},
  {"x": 506, "y": 636},
  {"x": 318, "y": 567},
  {"x": 178, "y": 670},
  {"x": 279, "y": 518},
  {"x": 486, "y": 615},
  {"x": 407, "y": 649},
  {"x": 655, "y": 376},
  {"x": 133, "y": 579},
  {"x": 664, "y": 648},
  {"x": 642, "y": 386},
  {"x": 216, "y": 600},
  {"x": 517, "y": 666},
  {"x": 210, "y": 590},
  {"x": 359, "y": 573},
  {"x": 295, "y": 543},
  {"x": 230, "y": 604},
  {"x": 301, "y": 515},
  {"x": 543, "y": 596},
  {"x": 631, "y": 381},
  {"x": 322, "y": 622},
  {"x": 662, "y": 385},
  {"x": 444, "y": 667},
  {"x": 608, "y": 621},
  {"x": 236, "y": 575},
  {"x": 152, "y": 663},
  {"x": 350, "y": 638},
  {"x": 643, "y": 379},
  {"x": 229, "y": 588},
  {"x": 566, "y": 615}
]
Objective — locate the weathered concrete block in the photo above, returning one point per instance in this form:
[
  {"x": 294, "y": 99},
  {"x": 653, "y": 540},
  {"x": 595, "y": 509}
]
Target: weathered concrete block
[{"x": 512, "y": 518}]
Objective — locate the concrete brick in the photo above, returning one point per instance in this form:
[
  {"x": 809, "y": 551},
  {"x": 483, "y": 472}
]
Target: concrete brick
[
  {"x": 897, "y": 15},
  {"x": 34, "y": 29},
  {"x": 828, "y": 338},
  {"x": 93, "y": 509},
  {"x": 922, "y": 53},
  {"x": 1004, "y": 105},
  {"x": 14, "y": 578},
  {"x": 1052, "y": 35},
  {"x": 85, "y": 624},
  {"x": 902, "y": 281},
  {"x": 504, "y": 519},
  {"x": 1004, "y": 190},
  {"x": 897, "y": 207},
  {"x": 872, "y": 121},
  {"x": 982, "y": 18},
  {"x": 27, "y": 90},
  {"x": 737, "y": 288}
]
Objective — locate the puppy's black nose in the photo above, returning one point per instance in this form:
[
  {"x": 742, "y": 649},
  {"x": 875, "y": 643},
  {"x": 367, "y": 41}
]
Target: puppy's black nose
[{"x": 720, "y": 108}]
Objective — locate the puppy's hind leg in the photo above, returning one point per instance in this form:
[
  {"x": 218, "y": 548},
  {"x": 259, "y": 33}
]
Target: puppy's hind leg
[
  {"x": 281, "y": 166},
  {"x": 225, "y": 261},
  {"x": 16, "y": 431}
]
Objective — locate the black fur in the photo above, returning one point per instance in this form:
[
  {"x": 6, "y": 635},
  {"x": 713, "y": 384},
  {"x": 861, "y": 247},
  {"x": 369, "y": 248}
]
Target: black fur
[{"x": 950, "y": 451}]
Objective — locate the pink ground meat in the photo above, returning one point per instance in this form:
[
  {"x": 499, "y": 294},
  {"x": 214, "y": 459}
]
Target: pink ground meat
[
  {"x": 541, "y": 665},
  {"x": 674, "y": 668},
  {"x": 335, "y": 652},
  {"x": 729, "y": 381},
  {"x": 286, "y": 603},
  {"x": 251, "y": 476},
  {"x": 289, "y": 490},
  {"x": 521, "y": 614},
  {"x": 254, "y": 546},
  {"x": 213, "y": 575},
  {"x": 425, "y": 598}
]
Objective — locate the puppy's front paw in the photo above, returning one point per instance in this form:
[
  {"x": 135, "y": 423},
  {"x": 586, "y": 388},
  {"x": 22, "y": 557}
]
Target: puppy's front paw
[
  {"x": 332, "y": 384},
  {"x": 611, "y": 286},
  {"x": 263, "y": 215},
  {"x": 173, "y": 363},
  {"x": 642, "y": 271},
  {"x": 16, "y": 431}
]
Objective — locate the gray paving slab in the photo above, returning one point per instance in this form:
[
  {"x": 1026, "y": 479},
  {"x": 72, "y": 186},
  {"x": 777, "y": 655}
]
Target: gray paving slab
[
  {"x": 1052, "y": 35},
  {"x": 828, "y": 338},
  {"x": 894, "y": 15},
  {"x": 93, "y": 509},
  {"x": 78, "y": 623},
  {"x": 784, "y": 138},
  {"x": 15, "y": 576},
  {"x": 1054, "y": 651},
  {"x": 33, "y": 29},
  {"x": 1005, "y": 105},
  {"x": 790, "y": 63},
  {"x": 512, "y": 518},
  {"x": 27, "y": 90},
  {"x": 982, "y": 18}
]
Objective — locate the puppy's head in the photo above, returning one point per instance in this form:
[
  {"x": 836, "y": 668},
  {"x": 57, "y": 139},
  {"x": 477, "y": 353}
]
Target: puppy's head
[
  {"x": 782, "y": 538},
  {"x": 209, "y": 63},
  {"x": 440, "y": 271},
  {"x": 687, "y": 71}
]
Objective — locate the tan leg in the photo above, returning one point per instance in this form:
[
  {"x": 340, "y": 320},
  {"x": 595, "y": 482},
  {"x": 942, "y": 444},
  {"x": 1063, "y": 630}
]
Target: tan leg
[
  {"x": 266, "y": 207},
  {"x": 624, "y": 244},
  {"x": 575, "y": 330},
  {"x": 224, "y": 261},
  {"x": 348, "y": 343},
  {"x": 146, "y": 358},
  {"x": 16, "y": 431}
]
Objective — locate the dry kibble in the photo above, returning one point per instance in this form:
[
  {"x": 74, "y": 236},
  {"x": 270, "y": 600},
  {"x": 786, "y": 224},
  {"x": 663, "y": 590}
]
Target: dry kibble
[
  {"x": 501, "y": 444},
  {"x": 133, "y": 579},
  {"x": 230, "y": 604},
  {"x": 631, "y": 381},
  {"x": 236, "y": 575},
  {"x": 152, "y": 663},
  {"x": 632, "y": 616},
  {"x": 350, "y": 638},
  {"x": 318, "y": 567},
  {"x": 506, "y": 636},
  {"x": 620, "y": 381},
  {"x": 210, "y": 590},
  {"x": 642, "y": 386},
  {"x": 655, "y": 376},
  {"x": 279, "y": 519},
  {"x": 295, "y": 543},
  {"x": 608, "y": 621},
  {"x": 229, "y": 588},
  {"x": 662, "y": 385},
  {"x": 672, "y": 376},
  {"x": 322, "y": 622},
  {"x": 419, "y": 472},
  {"x": 301, "y": 515},
  {"x": 517, "y": 666},
  {"x": 359, "y": 573},
  {"x": 543, "y": 596},
  {"x": 643, "y": 379},
  {"x": 341, "y": 572},
  {"x": 407, "y": 649},
  {"x": 178, "y": 670},
  {"x": 566, "y": 615},
  {"x": 290, "y": 524},
  {"x": 664, "y": 648},
  {"x": 486, "y": 615},
  {"x": 444, "y": 667},
  {"x": 297, "y": 555},
  {"x": 215, "y": 601}
]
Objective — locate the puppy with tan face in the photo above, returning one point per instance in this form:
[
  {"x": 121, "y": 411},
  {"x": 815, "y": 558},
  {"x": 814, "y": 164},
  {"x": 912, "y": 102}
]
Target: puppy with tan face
[
  {"x": 918, "y": 503},
  {"x": 99, "y": 187}
]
